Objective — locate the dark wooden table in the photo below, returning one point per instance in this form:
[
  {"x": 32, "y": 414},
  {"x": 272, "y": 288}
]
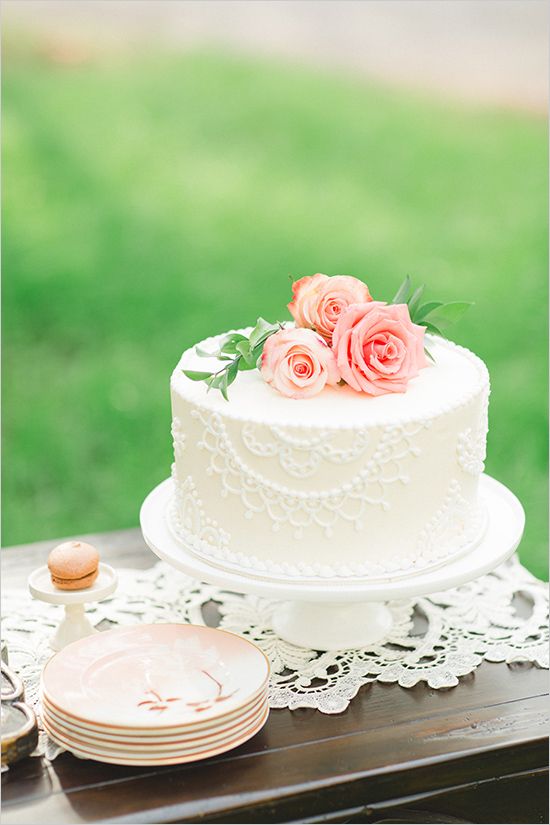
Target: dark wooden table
[{"x": 475, "y": 753}]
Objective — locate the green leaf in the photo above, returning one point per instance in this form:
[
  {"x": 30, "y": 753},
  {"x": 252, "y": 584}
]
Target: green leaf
[
  {"x": 223, "y": 385},
  {"x": 231, "y": 336},
  {"x": 258, "y": 349},
  {"x": 231, "y": 350},
  {"x": 205, "y": 353},
  {"x": 402, "y": 294},
  {"x": 414, "y": 300},
  {"x": 447, "y": 314},
  {"x": 430, "y": 356},
  {"x": 229, "y": 343},
  {"x": 219, "y": 382},
  {"x": 216, "y": 380},
  {"x": 243, "y": 347},
  {"x": 232, "y": 371},
  {"x": 261, "y": 331},
  {"x": 433, "y": 329},
  {"x": 197, "y": 376},
  {"x": 425, "y": 309}
]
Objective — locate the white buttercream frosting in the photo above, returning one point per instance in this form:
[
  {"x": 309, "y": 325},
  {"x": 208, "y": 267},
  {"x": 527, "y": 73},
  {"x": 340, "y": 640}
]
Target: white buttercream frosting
[
  {"x": 450, "y": 381},
  {"x": 342, "y": 484}
]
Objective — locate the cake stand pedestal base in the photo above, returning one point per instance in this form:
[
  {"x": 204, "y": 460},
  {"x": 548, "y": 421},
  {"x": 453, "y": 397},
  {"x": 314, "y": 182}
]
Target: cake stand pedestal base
[
  {"x": 349, "y": 613},
  {"x": 74, "y": 625},
  {"x": 337, "y": 626}
]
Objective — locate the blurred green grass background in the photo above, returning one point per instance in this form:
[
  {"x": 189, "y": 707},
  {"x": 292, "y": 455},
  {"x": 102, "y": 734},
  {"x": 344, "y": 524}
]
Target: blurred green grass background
[{"x": 151, "y": 202}]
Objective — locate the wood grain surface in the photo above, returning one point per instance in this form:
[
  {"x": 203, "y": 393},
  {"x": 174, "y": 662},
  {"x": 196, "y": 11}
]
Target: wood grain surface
[{"x": 474, "y": 753}]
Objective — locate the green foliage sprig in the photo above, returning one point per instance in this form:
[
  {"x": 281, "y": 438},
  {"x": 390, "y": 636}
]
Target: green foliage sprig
[
  {"x": 436, "y": 316},
  {"x": 239, "y": 351}
]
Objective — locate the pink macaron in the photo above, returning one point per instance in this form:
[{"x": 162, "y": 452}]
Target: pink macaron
[{"x": 73, "y": 565}]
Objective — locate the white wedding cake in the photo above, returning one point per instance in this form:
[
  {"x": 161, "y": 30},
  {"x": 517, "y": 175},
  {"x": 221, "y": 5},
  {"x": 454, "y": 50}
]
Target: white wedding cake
[{"x": 343, "y": 484}]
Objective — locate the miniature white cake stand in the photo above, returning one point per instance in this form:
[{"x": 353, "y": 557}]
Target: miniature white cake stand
[
  {"x": 75, "y": 624},
  {"x": 344, "y": 613}
]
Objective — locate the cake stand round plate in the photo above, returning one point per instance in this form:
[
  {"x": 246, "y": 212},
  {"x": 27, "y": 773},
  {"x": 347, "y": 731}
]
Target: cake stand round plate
[
  {"x": 75, "y": 624},
  {"x": 346, "y": 613}
]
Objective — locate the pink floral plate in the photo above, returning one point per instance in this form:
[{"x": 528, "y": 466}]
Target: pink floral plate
[
  {"x": 155, "y": 677},
  {"x": 145, "y": 750},
  {"x": 150, "y": 734},
  {"x": 176, "y": 759},
  {"x": 184, "y": 739}
]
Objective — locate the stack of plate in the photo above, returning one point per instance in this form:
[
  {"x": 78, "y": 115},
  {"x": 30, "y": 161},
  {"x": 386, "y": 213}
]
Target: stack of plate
[{"x": 155, "y": 694}]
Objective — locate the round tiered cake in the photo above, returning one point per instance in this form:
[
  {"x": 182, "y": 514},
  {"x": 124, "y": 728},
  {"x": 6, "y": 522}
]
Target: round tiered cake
[{"x": 338, "y": 485}]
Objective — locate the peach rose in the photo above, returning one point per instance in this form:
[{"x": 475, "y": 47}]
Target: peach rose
[
  {"x": 319, "y": 300},
  {"x": 298, "y": 363},
  {"x": 378, "y": 349}
]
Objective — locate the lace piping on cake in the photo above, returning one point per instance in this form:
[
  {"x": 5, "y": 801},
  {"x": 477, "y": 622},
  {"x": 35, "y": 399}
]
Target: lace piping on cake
[
  {"x": 211, "y": 541},
  {"x": 302, "y": 509},
  {"x": 178, "y": 437},
  {"x": 454, "y": 525},
  {"x": 190, "y": 521},
  {"x": 301, "y": 457},
  {"x": 471, "y": 446}
]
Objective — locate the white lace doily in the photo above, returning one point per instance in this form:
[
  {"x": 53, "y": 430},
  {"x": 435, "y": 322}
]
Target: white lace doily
[{"x": 434, "y": 639}]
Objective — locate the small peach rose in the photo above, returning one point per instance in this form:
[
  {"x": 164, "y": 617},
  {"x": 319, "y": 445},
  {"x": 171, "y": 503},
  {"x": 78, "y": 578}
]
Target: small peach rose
[
  {"x": 298, "y": 363},
  {"x": 319, "y": 300},
  {"x": 378, "y": 349}
]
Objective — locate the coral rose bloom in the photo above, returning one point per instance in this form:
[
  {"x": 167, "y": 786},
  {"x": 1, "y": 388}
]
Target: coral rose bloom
[
  {"x": 319, "y": 301},
  {"x": 298, "y": 363},
  {"x": 378, "y": 349}
]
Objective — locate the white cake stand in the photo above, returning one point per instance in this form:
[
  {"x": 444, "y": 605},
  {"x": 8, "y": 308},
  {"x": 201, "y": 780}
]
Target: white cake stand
[
  {"x": 348, "y": 613},
  {"x": 75, "y": 624}
]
